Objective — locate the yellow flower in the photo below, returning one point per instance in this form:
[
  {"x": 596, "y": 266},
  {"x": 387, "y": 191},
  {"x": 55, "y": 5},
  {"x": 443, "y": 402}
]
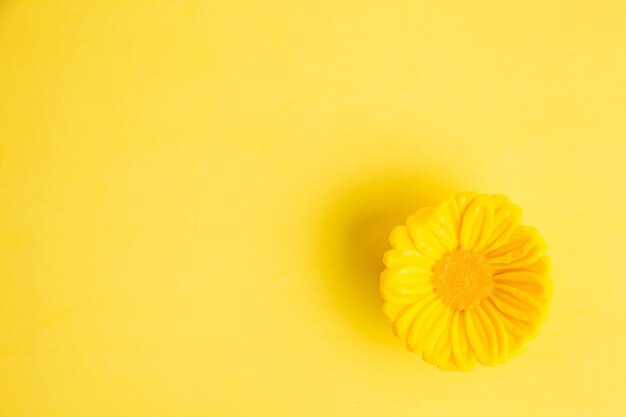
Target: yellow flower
[{"x": 465, "y": 282}]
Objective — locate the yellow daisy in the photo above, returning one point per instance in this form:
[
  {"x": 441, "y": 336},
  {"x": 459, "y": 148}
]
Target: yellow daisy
[{"x": 465, "y": 282}]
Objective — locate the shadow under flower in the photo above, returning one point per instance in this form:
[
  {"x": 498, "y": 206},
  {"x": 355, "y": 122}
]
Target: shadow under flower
[{"x": 355, "y": 237}]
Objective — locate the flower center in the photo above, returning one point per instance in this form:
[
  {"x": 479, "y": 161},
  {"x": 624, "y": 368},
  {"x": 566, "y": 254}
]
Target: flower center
[{"x": 462, "y": 279}]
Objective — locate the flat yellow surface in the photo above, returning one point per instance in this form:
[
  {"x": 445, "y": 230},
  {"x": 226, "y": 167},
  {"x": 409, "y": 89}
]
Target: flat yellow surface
[{"x": 196, "y": 195}]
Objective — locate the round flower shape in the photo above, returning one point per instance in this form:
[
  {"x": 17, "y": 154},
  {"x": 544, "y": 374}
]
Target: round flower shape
[{"x": 465, "y": 282}]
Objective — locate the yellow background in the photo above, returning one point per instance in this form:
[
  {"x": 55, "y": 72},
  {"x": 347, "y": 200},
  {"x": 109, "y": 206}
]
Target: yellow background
[{"x": 196, "y": 195}]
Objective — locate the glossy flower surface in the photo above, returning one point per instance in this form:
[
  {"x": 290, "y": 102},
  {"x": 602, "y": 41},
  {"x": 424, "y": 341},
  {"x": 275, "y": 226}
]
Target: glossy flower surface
[{"x": 465, "y": 282}]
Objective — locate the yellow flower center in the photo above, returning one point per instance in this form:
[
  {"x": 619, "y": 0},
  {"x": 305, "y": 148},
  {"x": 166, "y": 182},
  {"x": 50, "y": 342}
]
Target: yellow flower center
[{"x": 462, "y": 279}]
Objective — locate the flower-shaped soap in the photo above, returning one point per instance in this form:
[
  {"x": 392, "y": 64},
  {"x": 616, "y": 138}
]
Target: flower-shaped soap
[{"x": 465, "y": 282}]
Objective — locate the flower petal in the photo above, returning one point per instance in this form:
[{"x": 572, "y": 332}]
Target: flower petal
[
  {"x": 444, "y": 225},
  {"x": 405, "y": 275},
  {"x": 396, "y": 257},
  {"x": 440, "y": 353},
  {"x": 404, "y": 322},
  {"x": 517, "y": 303},
  {"x": 463, "y": 200},
  {"x": 477, "y": 223},
  {"x": 482, "y": 336},
  {"x": 438, "y": 325},
  {"x": 400, "y": 239},
  {"x": 462, "y": 352},
  {"x": 525, "y": 247},
  {"x": 420, "y": 229},
  {"x": 537, "y": 285},
  {"x": 416, "y": 338},
  {"x": 494, "y": 316},
  {"x": 448, "y": 215},
  {"x": 405, "y": 285},
  {"x": 498, "y": 201},
  {"x": 455, "y": 207},
  {"x": 520, "y": 330},
  {"x": 541, "y": 267},
  {"x": 506, "y": 220},
  {"x": 405, "y": 294},
  {"x": 512, "y": 342}
]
